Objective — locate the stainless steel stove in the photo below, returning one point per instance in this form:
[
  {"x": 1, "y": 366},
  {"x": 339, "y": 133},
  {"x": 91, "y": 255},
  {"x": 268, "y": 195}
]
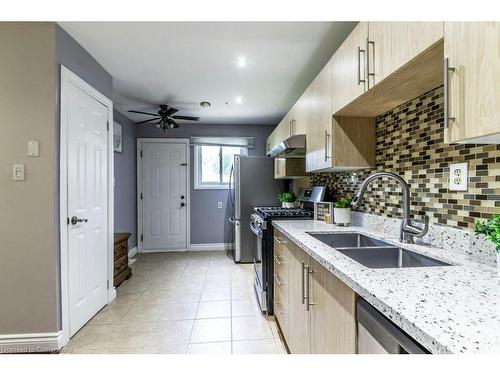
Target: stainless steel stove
[{"x": 261, "y": 226}]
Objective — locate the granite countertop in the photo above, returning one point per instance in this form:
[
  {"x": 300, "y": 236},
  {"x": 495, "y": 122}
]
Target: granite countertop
[{"x": 446, "y": 309}]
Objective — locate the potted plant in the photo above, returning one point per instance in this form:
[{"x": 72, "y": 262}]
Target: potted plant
[
  {"x": 287, "y": 199},
  {"x": 342, "y": 211},
  {"x": 491, "y": 229}
]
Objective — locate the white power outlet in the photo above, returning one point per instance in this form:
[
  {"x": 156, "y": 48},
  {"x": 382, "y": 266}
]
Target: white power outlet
[
  {"x": 458, "y": 177},
  {"x": 219, "y": 204}
]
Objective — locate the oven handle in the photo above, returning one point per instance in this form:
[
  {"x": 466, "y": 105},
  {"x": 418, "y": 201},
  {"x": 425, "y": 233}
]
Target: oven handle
[{"x": 256, "y": 230}]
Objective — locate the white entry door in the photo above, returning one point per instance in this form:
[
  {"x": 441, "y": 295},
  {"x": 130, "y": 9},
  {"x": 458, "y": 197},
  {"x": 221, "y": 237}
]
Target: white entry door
[
  {"x": 87, "y": 139},
  {"x": 164, "y": 196}
]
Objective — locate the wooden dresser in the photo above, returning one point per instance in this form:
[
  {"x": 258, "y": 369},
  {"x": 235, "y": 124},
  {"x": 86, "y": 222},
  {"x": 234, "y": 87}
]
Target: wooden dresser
[{"x": 121, "y": 269}]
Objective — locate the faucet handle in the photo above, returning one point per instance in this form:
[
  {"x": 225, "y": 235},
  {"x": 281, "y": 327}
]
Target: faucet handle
[{"x": 414, "y": 231}]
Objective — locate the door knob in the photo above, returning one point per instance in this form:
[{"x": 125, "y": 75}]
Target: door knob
[
  {"x": 183, "y": 204},
  {"x": 75, "y": 220}
]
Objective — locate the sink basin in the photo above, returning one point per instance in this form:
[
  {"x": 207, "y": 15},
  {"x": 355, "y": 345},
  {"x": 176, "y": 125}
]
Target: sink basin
[
  {"x": 340, "y": 240},
  {"x": 390, "y": 257}
]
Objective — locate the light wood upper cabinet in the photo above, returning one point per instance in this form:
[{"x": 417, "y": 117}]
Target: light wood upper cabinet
[
  {"x": 319, "y": 121},
  {"x": 289, "y": 168},
  {"x": 349, "y": 68},
  {"x": 298, "y": 114},
  {"x": 280, "y": 133},
  {"x": 393, "y": 44},
  {"x": 473, "y": 52}
]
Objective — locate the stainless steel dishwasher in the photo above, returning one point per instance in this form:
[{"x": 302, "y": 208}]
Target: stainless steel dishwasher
[{"x": 378, "y": 335}]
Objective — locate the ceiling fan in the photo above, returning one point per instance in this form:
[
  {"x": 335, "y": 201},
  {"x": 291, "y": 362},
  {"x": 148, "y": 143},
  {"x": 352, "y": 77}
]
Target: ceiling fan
[{"x": 164, "y": 117}]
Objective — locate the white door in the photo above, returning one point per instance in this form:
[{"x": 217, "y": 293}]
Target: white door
[
  {"x": 87, "y": 206},
  {"x": 164, "y": 196}
]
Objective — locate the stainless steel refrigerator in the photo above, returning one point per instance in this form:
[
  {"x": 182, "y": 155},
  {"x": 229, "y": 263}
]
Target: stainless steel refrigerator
[{"x": 252, "y": 184}]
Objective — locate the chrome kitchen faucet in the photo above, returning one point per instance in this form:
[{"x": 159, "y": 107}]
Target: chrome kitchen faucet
[{"x": 408, "y": 230}]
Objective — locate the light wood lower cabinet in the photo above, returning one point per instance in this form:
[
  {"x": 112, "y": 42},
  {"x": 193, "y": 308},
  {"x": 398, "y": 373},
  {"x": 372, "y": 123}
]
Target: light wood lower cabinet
[{"x": 318, "y": 313}]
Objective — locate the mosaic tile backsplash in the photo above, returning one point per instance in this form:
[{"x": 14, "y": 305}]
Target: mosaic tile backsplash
[{"x": 410, "y": 142}]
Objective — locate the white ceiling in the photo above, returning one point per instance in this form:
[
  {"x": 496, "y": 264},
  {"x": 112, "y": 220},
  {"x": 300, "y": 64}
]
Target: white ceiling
[{"x": 184, "y": 63}]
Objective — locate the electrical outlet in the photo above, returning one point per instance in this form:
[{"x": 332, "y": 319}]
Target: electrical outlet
[
  {"x": 458, "y": 177},
  {"x": 219, "y": 204}
]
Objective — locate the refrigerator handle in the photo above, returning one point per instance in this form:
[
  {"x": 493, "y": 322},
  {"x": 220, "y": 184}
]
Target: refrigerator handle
[{"x": 231, "y": 197}]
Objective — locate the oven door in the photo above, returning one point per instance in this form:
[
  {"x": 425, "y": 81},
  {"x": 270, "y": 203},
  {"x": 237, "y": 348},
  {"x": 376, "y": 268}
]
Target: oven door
[{"x": 257, "y": 266}]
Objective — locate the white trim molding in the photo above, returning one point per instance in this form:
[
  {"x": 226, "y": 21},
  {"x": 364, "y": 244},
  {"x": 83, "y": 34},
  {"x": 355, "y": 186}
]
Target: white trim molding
[
  {"x": 185, "y": 141},
  {"x": 70, "y": 78},
  {"x": 31, "y": 342},
  {"x": 211, "y": 246}
]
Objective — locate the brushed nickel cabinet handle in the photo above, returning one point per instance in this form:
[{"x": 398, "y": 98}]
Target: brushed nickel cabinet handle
[
  {"x": 280, "y": 283},
  {"x": 360, "y": 81},
  {"x": 326, "y": 145},
  {"x": 277, "y": 259},
  {"x": 303, "y": 282},
  {"x": 447, "y": 69},
  {"x": 370, "y": 74},
  {"x": 308, "y": 299}
]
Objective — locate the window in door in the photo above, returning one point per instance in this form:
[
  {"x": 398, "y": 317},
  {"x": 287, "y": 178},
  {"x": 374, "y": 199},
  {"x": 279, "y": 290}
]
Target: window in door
[{"x": 213, "y": 165}]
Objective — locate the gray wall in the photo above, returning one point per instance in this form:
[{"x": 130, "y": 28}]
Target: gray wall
[
  {"x": 208, "y": 223},
  {"x": 126, "y": 181}
]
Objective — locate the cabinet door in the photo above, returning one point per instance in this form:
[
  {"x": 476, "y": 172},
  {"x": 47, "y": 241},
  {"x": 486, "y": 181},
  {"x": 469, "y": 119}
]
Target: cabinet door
[
  {"x": 299, "y": 113},
  {"x": 298, "y": 338},
  {"x": 349, "y": 68},
  {"x": 333, "y": 324},
  {"x": 393, "y": 44},
  {"x": 280, "y": 133},
  {"x": 319, "y": 122},
  {"x": 473, "y": 50}
]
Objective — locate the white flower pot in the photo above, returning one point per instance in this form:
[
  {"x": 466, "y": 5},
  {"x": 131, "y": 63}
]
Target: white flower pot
[
  {"x": 342, "y": 216},
  {"x": 288, "y": 204}
]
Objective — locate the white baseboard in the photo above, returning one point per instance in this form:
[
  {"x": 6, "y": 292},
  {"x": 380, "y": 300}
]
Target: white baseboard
[
  {"x": 31, "y": 342},
  {"x": 132, "y": 252},
  {"x": 210, "y": 246}
]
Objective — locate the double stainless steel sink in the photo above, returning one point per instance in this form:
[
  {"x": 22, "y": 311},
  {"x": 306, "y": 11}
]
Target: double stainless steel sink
[{"x": 374, "y": 253}]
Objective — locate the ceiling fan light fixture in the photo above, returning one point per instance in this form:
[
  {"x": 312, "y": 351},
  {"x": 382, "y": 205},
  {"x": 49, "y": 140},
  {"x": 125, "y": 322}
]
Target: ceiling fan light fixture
[{"x": 205, "y": 104}]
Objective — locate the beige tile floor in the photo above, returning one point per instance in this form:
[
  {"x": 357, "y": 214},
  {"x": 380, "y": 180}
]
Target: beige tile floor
[{"x": 175, "y": 303}]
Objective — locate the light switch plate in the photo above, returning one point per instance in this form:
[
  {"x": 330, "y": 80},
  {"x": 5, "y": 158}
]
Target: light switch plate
[
  {"x": 33, "y": 148},
  {"x": 458, "y": 177},
  {"x": 18, "y": 172}
]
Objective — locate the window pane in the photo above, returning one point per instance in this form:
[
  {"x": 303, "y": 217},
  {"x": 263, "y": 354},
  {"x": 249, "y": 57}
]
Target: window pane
[
  {"x": 209, "y": 164},
  {"x": 227, "y": 161}
]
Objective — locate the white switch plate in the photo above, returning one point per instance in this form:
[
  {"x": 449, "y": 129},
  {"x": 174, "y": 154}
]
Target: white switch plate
[
  {"x": 18, "y": 172},
  {"x": 219, "y": 204},
  {"x": 33, "y": 148},
  {"x": 458, "y": 177}
]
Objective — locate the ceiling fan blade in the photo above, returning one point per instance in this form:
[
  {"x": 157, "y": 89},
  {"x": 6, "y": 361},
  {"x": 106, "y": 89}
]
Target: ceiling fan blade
[
  {"x": 190, "y": 118},
  {"x": 170, "y": 111},
  {"x": 144, "y": 113},
  {"x": 143, "y": 122}
]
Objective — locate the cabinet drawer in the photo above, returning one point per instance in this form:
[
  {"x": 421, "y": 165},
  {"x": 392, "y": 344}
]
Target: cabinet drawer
[
  {"x": 120, "y": 264},
  {"x": 120, "y": 249},
  {"x": 281, "y": 310}
]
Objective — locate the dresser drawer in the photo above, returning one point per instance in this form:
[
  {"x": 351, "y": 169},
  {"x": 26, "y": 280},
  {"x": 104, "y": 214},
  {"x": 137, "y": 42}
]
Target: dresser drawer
[
  {"x": 120, "y": 264},
  {"x": 120, "y": 249}
]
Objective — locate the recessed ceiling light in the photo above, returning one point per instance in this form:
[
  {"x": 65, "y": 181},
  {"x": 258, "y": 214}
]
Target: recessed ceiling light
[
  {"x": 241, "y": 62},
  {"x": 205, "y": 104},
  {"x": 238, "y": 99}
]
